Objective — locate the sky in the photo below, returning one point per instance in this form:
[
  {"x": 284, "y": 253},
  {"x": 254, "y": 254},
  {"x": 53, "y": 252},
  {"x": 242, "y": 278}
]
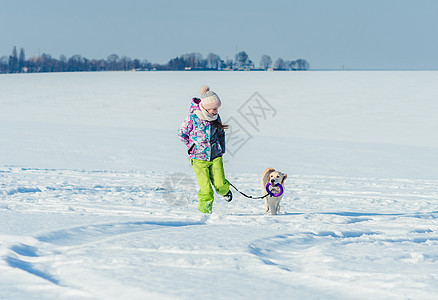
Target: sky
[{"x": 335, "y": 34}]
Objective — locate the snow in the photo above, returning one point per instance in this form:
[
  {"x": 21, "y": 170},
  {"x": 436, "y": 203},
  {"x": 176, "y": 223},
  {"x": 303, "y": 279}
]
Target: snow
[{"x": 98, "y": 200}]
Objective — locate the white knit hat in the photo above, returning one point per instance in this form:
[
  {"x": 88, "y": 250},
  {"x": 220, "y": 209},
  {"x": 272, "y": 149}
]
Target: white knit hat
[{"x": 210, "y": 100}]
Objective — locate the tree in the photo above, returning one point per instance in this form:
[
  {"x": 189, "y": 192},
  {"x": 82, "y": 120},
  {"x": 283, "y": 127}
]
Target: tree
[
  {"x": 113, "y": 62},
  {"x": 13, "y": 61},
  {"x": 187, "y": 61},
  {"x": 77, "y": 63},
  {"x": 292, "y": 65},
  {"x": 242, "y": 60},
  {"x": 266, "y": 62},
  {"x": 146, "y": 65},
  {"x": 16, "y": 63},
  {"x": 126, "y": 63},
  {"x": 46, "y": 63},
  {"x": 302, "y": 64},
  {"x": 136, "y": 64},
  {"x": 4, "y": 64},
  {"x": 176, "y": 64},
  {"x": 192, "y": 60},
  {"x": 228, "y": 64},
  {"x": 21, "y": 61},
  {"x": 62, "y": 63},
  {"x": 280, "y": 64},
  {"x": 213, "y": 61}
]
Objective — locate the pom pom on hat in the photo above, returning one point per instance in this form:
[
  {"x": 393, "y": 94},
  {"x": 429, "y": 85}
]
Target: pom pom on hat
[
  {"x": 210, "y": 100},
  {"x": 204, "y": 89}
]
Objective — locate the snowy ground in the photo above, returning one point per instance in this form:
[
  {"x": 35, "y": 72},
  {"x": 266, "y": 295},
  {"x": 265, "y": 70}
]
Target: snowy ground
[{"x": 92, "y": 205}]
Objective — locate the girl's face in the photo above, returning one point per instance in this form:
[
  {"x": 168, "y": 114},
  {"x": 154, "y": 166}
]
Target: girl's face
[{"x": 212, "y": 111}]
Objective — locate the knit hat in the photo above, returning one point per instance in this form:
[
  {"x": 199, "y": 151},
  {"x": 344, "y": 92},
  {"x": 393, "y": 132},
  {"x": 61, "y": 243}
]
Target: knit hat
[
  {"x": 204, "y": 89},
  {"x": 210, "y": 100}
]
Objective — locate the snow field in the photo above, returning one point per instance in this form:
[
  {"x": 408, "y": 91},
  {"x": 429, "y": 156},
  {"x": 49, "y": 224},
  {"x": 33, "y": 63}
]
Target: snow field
[
  {"x": 112, "y": 234},
  {"x": 98, "y": 200}
]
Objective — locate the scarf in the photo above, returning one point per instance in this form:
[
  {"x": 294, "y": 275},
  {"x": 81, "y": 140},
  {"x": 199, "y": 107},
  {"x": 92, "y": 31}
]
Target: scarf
[{"x": 204, "y": 115}]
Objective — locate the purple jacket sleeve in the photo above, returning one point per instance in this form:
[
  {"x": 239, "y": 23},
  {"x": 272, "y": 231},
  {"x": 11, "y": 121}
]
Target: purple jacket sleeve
[{"x": 184, "y": 131}]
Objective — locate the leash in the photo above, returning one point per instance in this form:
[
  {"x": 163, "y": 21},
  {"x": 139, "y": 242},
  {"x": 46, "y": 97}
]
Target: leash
[{"x": 245, "y": 195}]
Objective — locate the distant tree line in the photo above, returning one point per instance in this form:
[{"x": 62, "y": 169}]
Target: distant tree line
[{"x": 17, "y": 63}]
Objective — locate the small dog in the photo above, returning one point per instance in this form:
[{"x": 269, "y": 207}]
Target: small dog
[{"x": 272, "y": 204}]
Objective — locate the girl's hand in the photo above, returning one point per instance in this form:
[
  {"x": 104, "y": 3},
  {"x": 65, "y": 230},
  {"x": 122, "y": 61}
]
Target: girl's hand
[{"x": 190, "y": 149}]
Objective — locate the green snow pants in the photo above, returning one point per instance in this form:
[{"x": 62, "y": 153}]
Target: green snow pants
[{"x": 206, "y": 172}]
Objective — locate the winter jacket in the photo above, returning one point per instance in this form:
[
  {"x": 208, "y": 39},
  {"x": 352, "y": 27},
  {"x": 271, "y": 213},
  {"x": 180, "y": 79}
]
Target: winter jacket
[{"x": 197, "y": 133}]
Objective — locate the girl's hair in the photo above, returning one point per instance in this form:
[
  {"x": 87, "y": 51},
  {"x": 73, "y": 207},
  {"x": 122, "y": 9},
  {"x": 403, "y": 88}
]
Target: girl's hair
[{"x": 219, "y": 125}]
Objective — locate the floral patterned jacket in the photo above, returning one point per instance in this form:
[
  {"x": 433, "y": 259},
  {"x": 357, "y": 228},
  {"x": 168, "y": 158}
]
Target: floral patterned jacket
[{"x": 196, "y": 133}]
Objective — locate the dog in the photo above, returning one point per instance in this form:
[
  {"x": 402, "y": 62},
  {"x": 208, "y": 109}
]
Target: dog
[{"x": 272, "y": 204}]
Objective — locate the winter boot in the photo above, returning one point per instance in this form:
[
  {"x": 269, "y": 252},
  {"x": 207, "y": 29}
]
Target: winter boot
[{"x": 229, "y": 196}]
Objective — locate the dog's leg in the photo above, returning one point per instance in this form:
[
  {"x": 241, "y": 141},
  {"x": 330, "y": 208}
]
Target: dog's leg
[
  {"x": 275, "y": 205},
  {"x": 266, "y": 205},
  {"x": 272, "y": 208}
]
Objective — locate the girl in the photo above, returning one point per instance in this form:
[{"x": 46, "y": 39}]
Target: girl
[{"x": 203, "y": 133}]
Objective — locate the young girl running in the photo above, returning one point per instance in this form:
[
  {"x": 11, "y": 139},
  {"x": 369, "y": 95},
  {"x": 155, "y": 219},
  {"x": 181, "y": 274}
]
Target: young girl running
[{"x": 204, "y": 135}]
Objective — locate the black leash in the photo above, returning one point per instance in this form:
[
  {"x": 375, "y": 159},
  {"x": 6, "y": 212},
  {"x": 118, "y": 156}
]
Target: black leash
[{"x": 245, "y": 195}]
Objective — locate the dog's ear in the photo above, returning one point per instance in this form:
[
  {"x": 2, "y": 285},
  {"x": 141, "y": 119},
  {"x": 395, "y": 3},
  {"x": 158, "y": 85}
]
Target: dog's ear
[
  {"x": 269, "y": 173},
  {"x": 284, "y": 178}
]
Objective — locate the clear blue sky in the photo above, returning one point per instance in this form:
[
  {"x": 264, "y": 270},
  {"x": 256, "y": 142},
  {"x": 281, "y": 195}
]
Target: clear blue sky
[{"x": 394, "y": 34}]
